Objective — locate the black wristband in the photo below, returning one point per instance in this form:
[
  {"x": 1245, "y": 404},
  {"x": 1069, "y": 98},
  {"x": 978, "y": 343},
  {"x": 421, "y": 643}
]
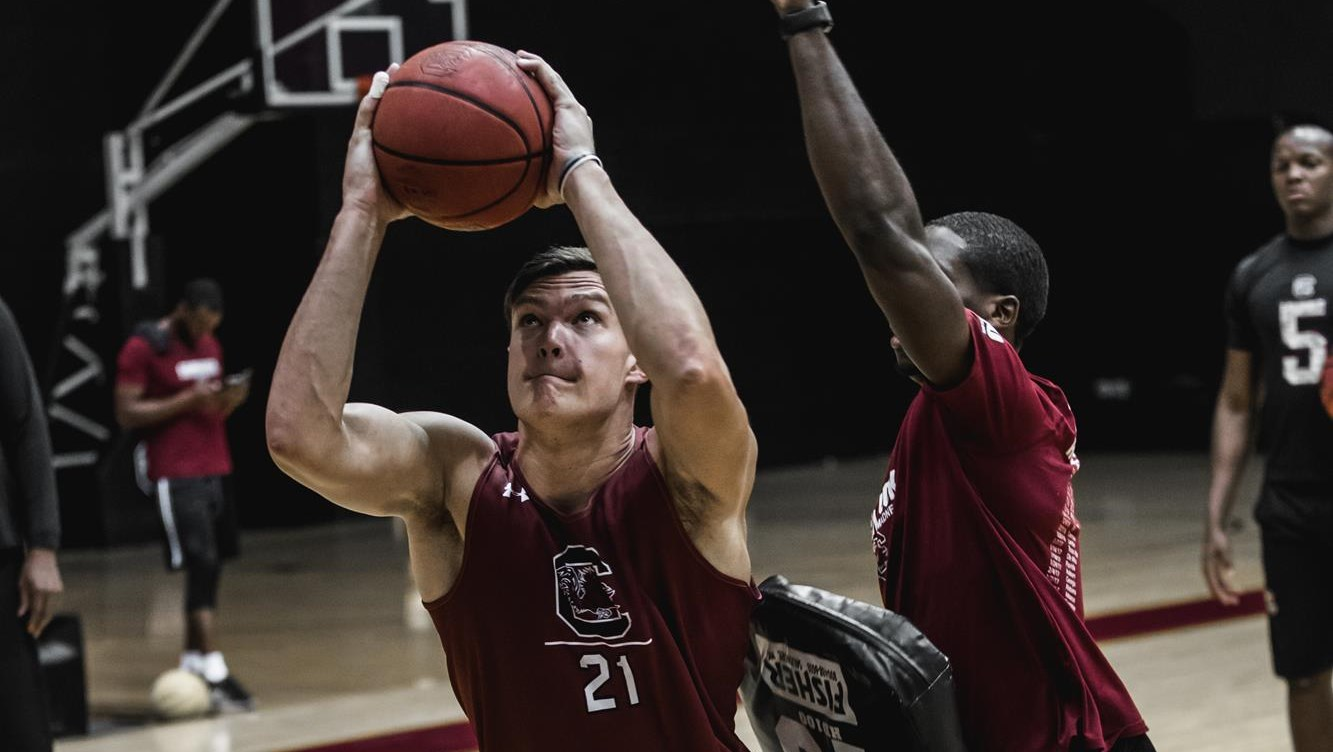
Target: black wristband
[{"x": 816, "y": 16}]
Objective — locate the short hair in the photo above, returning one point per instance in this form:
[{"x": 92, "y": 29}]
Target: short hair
[
  {"x": 1285, "y": 128},
  {"x": 202, "y": 293},
  {"x": 1004, "y": 260},
  {"x": 559, "y": 259}
]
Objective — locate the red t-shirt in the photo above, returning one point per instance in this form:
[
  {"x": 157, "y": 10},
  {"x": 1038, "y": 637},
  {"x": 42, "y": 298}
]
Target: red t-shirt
[
  {"x": 977, "y": 544},
  {"x": 193, "y": 444},
  {"x": 603, "y": 630}
]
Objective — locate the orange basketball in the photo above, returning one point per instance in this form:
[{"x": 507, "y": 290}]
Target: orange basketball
[{"x": 463, "y": 136}]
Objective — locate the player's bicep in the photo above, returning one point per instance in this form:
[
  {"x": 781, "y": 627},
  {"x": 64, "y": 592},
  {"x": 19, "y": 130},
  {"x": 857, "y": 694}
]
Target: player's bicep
[
  {"x": 381, "y": 463},
  {"x": 705, "y": 441},
  {"x": 1238, "y": 385},
  {"x": 997, "y": 403}
]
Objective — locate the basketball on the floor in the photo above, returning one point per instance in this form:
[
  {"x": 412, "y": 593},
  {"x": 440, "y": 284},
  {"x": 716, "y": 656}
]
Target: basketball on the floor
[
  {"x": 177, "y": 693},
  {"x": 463, "y": 136}
]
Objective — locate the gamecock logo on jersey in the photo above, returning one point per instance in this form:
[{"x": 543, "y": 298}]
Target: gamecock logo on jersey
[{"x": 584, "y": 597}]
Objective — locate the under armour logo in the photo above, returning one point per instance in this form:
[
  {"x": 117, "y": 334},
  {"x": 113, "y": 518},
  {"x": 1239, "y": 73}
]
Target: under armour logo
[{"x": 509, "y": 493}]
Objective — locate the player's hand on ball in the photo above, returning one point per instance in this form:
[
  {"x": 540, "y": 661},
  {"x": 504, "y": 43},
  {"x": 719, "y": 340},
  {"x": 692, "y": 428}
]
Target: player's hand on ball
[
  {"x": 572, "y": 133},
  {"x": 361, "y": 178}
]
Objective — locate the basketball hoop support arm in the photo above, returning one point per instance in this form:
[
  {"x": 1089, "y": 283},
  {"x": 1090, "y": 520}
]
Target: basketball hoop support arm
[{"x": 131, "y": 185}]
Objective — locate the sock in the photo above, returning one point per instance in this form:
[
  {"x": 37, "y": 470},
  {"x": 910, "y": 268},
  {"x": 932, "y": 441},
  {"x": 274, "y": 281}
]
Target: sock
[
  {"x": 214, "y": 667},
  {"x": 192, "y": 661}
]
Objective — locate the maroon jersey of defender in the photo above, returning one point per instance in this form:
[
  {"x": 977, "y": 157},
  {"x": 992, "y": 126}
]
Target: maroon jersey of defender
[
  {"x": 599, "y": 630},
  {"x": 193, "y": 444},
  {"x": 977, "y": 544}
]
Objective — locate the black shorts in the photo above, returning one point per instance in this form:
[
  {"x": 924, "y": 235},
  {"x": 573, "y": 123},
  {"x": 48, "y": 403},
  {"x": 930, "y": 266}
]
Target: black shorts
[
  {"x": 1140, "y": 743},
  {"x": 198, "y": 522},
  {"x": 1298, "y": 567},
  {"x": 1133, "y": 744}
]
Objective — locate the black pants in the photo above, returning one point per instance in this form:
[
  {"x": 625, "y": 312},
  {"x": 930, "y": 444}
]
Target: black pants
[
  {"x": 1133, "y": 744},
  {"x": 24, "y": 725}
]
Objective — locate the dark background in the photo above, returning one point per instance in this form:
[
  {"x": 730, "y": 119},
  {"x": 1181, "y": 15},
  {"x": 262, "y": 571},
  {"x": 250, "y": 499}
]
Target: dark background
[{"x": 1130, "y": 138}]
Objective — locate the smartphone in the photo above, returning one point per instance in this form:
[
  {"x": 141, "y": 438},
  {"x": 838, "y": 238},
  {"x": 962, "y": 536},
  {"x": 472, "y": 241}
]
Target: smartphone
[{"x": 238, "y": 379}]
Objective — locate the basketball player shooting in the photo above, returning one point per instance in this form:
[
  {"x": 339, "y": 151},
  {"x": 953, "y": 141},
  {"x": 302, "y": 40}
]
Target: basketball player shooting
[{"x": 589, "y": 578}]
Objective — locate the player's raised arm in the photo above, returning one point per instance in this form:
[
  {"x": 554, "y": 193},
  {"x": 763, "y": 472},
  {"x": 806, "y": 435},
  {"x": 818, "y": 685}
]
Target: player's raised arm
[
  {"x": 705, "y": 436},
  {"x": 360, "y": 456},
  {"x": 874, "y": 207}
]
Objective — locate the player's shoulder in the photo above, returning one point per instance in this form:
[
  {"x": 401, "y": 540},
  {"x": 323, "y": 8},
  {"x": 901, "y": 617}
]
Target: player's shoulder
[
  {"x": 1053, "y": 397},
  {"x": 136, "y": 346},
  {"x": 462, "y": 453},
  {"x": 453, "y": 439},
  {"x": 1253, "y": 268},
  {"x": 985, "y": 330},
  {"x": 148, "y": 338},
  {"x": 11, "y": 338},
  {"x": 1262, "y": 259},
  {"x": 990, "y": 349},
  {"x": 7, "y": 316}
]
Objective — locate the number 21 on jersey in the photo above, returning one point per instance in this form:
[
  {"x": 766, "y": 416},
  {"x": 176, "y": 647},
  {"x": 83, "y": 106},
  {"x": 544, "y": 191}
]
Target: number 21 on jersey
[{"x": 603, "y": 667}]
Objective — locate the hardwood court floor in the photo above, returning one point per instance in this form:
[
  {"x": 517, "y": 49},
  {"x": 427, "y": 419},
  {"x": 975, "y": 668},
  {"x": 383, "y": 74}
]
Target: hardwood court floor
[{"x": 320, "y": 623}]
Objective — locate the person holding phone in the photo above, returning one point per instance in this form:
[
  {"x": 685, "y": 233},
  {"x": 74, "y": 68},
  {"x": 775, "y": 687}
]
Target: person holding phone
[{"x": 170, "y": 387}]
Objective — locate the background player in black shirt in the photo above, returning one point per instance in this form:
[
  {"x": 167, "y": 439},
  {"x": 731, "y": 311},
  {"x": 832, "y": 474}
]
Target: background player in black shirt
[{"x": 1278, "y": 331}]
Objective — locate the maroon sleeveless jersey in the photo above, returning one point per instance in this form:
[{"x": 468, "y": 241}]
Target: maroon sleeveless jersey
[{"x": 599, "y": 630}]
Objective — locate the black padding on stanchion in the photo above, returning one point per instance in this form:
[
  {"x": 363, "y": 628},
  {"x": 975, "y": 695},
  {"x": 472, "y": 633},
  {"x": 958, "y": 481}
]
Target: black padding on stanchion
[{"x": 828, "y": 673}]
